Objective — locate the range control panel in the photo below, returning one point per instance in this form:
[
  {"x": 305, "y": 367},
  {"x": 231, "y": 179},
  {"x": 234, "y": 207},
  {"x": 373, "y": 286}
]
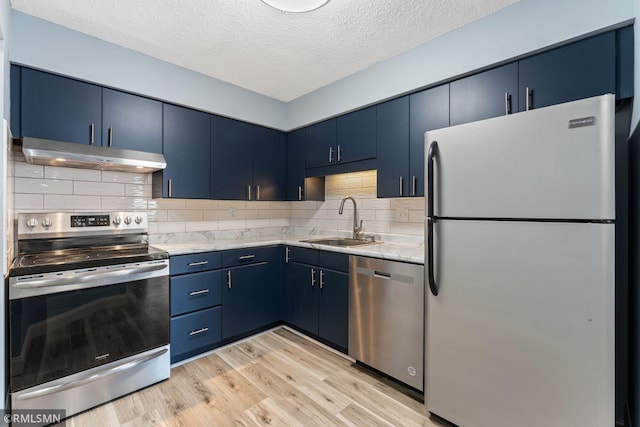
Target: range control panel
[{"x": 60, "y": 224}]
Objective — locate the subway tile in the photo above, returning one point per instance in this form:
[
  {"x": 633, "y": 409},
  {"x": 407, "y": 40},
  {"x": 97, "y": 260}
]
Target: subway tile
[
  {"x": 257, "y": 223},
  {"x": 169, "y": 204},
  {"x": 168, "y": 227},
  {"x": 123, "y": 203},
  {"x": 280, "y": 222},
  {"x": 26, "y": 170},
  {"x": 268, "y": 214},
  {"x": 184, "y": 215},
  {"x": 98, "y": 188},
  {"x": 202, "y": 204},
  {"x": 239, "y": 224},
  {"x": 71, "y": 202},
  {"x": 29, "y": 202},
  {"x": 202, "y": 226},
  {"x": 232, "y": 204},
  {"x": 124, "y": 177},
  {"x": 137, "y": 190},
  {"x": 213, "y": 215},
  {"x": 56, "y": 172},
  {"x": 157, "y": 215},
  {"x": 416, "y": 215},
  {"x": 43, "y": 186}
]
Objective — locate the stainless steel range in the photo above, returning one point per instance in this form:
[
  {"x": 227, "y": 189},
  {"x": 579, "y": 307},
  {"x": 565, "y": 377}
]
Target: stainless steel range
[{"x": 89, "y": 310}]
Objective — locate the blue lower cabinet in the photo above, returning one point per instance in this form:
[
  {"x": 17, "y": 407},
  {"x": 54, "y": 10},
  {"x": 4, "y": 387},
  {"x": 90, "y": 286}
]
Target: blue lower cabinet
[
  {"x": 304, "y": 297},
  {"x": 244, "y": 299},
  {"x": 333, "y": 308},
  {"x": 192, "y": 292},
  {"x": 194, "y": 333}
]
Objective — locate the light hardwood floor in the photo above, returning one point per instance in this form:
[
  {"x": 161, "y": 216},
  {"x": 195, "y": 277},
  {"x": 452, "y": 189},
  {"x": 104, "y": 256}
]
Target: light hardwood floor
[{"x": 276, "y": 378}]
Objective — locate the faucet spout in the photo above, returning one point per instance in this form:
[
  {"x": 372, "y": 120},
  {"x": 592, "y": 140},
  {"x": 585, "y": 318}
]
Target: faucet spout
[{"x": 357, "y": 224}]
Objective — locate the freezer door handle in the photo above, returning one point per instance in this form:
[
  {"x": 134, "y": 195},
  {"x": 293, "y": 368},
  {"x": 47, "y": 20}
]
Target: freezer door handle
[{"x": 431, "y": 219}]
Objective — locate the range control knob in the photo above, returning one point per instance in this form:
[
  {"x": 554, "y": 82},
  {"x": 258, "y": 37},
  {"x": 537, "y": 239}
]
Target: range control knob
[
  {"x": 117, "y": 220},
  {"x": 127, "y": 220},
  {"x": 32, "y": 223},
  {"x": 47, "y": 222},
  {"x": 138, "y": 220}
]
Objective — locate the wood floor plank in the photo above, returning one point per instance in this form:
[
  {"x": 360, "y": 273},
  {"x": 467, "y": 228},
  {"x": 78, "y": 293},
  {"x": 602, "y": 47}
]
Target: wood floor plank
[{"x": 274, "y": 379}]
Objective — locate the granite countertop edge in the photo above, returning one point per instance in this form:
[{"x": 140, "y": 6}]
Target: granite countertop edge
[{"x": 383, "y": 250}]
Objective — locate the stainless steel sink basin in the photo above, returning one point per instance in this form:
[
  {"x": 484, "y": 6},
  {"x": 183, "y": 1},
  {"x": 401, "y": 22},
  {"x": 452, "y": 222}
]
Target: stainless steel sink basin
[{"x": 339, "y": 241}]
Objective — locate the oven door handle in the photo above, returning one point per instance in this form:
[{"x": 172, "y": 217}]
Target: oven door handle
[
  {"x": 80, "y": 278},
  {"x": 122, "y": 367}
]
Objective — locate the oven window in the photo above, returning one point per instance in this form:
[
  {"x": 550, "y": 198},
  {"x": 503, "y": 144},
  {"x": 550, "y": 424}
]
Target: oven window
[{"x": 55, "y": 335}]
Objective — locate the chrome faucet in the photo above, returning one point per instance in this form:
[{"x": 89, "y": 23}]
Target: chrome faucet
[{"x": 357, "y": 228}]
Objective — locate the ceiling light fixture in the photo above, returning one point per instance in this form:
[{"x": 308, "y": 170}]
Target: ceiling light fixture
[{"x": 296, "y": 6}]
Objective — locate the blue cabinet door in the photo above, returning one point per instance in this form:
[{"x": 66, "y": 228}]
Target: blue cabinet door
[
  {"x": 187, "y": 145},
  {"x": 275, "y": 284},
  {"x": 579, "y": 70},
  {"x": 269, "y": 164},
  {"x": 231, "y": 159},
  {"x": 392, "y": 126},
  {"x": 296, "y": 164},
  {"x": 356, "y": 135},
  {"x": 244, "y": 299},
  {"x": 59, "y": 108},
  {"x": 428, "y": 110},
  {"x": 333, "y": 308},
  {"x": 304, "y": 297},
  {"x": 15, "y": 74},
  {"x": 321, "y": 147},
  {"x": 131, "y": 122},
  {"x": 484, "y": 95}
]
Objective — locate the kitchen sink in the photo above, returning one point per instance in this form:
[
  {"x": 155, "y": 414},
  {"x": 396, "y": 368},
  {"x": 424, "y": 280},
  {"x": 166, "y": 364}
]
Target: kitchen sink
[{"x": 339, "y": 241}]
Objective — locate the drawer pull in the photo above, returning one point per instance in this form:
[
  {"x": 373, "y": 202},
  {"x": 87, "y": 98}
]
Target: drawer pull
[
  {"x": 246, "y": 257},
  {"x": 197, "y": 264},
  {"x": 200, "y": 292},
  {"x": 198, "y": 331},
  {"x": 229, "y": 279}
]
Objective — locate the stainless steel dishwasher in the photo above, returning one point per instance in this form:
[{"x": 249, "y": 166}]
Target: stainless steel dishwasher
[{"x": 386, "y": 317}]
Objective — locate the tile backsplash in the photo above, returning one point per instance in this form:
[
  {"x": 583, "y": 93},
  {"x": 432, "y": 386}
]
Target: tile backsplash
[{"x": 48, "y": 188}]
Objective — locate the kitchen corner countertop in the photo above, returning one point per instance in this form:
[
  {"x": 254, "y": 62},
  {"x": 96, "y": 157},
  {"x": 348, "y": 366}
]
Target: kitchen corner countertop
[{"x": 382, "y": 250}]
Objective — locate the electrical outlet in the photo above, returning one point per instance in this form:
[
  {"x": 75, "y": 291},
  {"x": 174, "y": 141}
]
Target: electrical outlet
[{"x": 402, "y": 215}]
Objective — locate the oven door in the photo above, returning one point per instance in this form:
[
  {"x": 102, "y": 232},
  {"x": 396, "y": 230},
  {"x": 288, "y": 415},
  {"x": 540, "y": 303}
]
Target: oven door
[{"x": 74, "y": 326}]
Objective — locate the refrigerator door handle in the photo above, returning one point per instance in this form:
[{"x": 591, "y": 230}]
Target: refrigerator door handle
[{"x": 431, "y": 219}]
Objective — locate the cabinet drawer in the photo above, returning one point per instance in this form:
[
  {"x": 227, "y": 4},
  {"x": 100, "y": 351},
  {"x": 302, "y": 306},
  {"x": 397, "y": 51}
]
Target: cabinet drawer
[
  {"x": 194, "y": 330},
  {"x": 181, "y": 264},
  {"x": 246, "y": 256},
  {"x": 334, "y": 260},
  {"x": 303, "y": 255},
  {"x": 195, "y": 291}
]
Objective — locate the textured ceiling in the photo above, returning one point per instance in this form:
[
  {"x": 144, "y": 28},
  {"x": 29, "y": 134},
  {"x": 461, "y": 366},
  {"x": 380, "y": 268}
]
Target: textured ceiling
[{"x": 251, "y": 45}]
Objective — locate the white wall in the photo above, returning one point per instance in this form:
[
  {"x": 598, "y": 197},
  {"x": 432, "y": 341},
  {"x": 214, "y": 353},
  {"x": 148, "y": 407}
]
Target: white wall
[
  {"x": 6, "y": 207},
  {"x": 516, "y": 30},
  {"x": 41, "y": 44}
]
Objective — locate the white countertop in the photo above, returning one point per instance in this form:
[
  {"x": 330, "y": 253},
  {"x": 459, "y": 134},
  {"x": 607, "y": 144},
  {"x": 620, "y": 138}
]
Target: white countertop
[{"x": 383, "y": 250}]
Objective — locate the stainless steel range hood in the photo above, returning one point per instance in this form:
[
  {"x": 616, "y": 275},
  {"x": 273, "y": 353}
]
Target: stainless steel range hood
[{"x": 55, "y": 153}]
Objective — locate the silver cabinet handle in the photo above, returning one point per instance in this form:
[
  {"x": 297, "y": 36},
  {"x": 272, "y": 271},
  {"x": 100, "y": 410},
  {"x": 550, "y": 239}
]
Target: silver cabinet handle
[
  {"x": 330, "y": 154},
  {"x": 286, "y": 255},
  {"x": 313, "y": 277},
  {"x": 321, "y": 279},
  {"x": 198, "y": 331},
  {"x": 200, "y": 292},
  {"x": 339, "y": 154},
  {"x": 110, "y": 136},
  {"x": 527, "y": 100},
  {"x": 229, "y": 279},
  {"x": 249, "y": 191},
  {"x": 196, "y": 264},
  {"x": 401, "y": 185},
  {"x": 246, "y": 257},
  {"x": 169, "y": 186},
  {"x": 413, "y": 185},
  {"x": 92, "y": 127},
  {"x": 258, "y": 192},
  {"x": 507, "y": 103},
  {"x": 299, "y": 192}
]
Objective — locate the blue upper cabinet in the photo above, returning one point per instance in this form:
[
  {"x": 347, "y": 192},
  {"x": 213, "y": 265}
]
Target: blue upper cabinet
[
  {"x": 231, "y": 159},
  {"x": 187, "y": 144},
  {"x": 624, "y": 64},
  {"x": 393, "y": 148},
  {"x": 321, "y": 144},
  {"x": 15, "y": 75},
  {"x": 356, "y": 135},
  {"x": 484, "y": 95},
  {"x": 296, "y": 164},
  {"x": 579, "y": 70},
  {"x": 269, "y": 164},
  {"x": 131, "y": 122},
  {"x": 428, "y": 110},
  {"x": 58, "y": 108}
]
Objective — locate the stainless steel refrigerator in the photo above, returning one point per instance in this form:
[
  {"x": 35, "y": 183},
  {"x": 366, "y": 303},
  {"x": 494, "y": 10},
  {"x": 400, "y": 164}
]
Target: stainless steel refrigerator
[{"x": 520, "y": 266}]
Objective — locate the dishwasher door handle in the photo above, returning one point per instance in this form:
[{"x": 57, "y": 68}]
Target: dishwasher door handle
[{"x": 382, "y": 275}]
